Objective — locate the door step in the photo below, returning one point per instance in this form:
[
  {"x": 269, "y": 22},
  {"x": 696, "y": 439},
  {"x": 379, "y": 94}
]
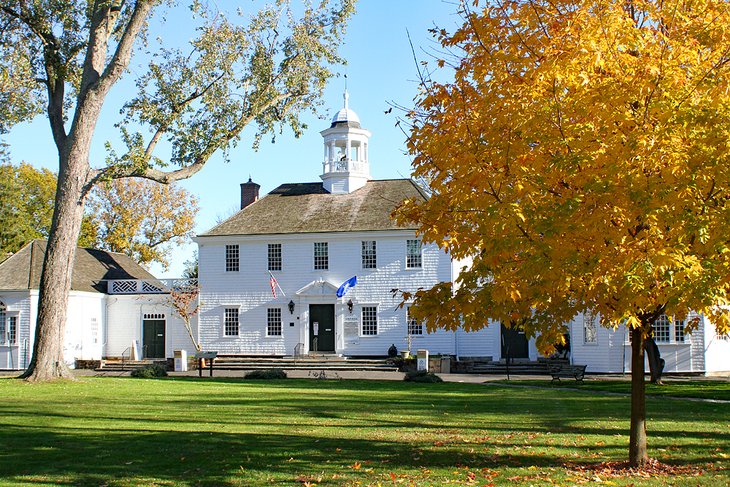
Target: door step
[
  {"x": 316, "y": 363},
  {"x": 120, "y": 365}
]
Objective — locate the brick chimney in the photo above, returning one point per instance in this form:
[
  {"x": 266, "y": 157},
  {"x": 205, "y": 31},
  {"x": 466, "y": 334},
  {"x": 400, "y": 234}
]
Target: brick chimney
[{"x": 249, "y": 193}]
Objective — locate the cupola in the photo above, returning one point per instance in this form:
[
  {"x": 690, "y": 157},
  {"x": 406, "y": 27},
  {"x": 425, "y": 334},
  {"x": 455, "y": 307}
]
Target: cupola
[{"x": 346, "y": 167}]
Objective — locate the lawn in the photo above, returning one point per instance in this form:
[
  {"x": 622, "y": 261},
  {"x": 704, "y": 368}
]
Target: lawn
[{"x": 189, "y": 431}]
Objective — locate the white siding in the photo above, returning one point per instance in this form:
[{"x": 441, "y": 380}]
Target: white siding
[
  {"x": 84, "y": 327},
  {"x": 594, "y": 355},
  {"x": 249, "y": 290},
  {"x": 125, "y": 314},
  {"x": 480, "y": 343},
  {"x": 17, "y": 357},
  {"x": 717, "y": 350},
  {"x": 678, "y": 357},
  {"x": 80, "y": 341}
]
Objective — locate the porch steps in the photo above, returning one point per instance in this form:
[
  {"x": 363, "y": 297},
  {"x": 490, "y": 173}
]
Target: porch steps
[
  {"x": 119, "y": 365},
  {"x": 314, "y": 362}
]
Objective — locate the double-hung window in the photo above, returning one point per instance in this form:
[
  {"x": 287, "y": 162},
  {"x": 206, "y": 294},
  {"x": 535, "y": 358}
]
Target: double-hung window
[
  {"x": 230, "y": 322},
  {"x": 369, "y": 255},
  {"x": 273, "y": 322},
  {"x": 8, "y": 326},
  {"x": 414, "y": 327},
  {"x": 590, "y": 334},
  {"x": 679, "y": 331},
  {"x": 3, "y": 330},
  {"x": 414, "y": 260},
  {"x": 232, "y": 258},
  {"x": 12, "y": 330},
  {"x": 369, "y": 320},
  {"x": 274, "y": 257},
  {"x": 321, "y": 256},
  {"x": 662, "y": 329},
  {"x": 668, "y": 330}
]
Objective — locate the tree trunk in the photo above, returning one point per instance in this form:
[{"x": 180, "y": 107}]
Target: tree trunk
[
  {"x": 47, "y": 362},
  {"x": 638, "y": 455},
  {"x": 656, "y": 362}
]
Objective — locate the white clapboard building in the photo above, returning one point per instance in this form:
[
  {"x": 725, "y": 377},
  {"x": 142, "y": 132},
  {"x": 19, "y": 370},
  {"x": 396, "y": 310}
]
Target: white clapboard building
[
  {"x": 270, "y": 277},
  {"x": 307, "y": 240},
  {"x": 115, "y": 309},
  {"x": 308, "y": 268}
]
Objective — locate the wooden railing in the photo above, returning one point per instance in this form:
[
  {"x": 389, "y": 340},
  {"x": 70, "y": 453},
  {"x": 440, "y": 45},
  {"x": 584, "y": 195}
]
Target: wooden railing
[{"x": 150, "y": 286}]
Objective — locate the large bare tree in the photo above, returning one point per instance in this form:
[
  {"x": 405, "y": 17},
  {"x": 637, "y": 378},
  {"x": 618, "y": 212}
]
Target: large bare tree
[{"x": 61, "y": 58}]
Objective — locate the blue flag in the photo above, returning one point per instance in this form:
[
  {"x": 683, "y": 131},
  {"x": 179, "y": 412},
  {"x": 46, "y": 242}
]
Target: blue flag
[{"x": 346, "y": 286}]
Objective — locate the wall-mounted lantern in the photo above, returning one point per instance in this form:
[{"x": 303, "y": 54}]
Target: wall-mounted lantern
[
  {"x": 349, "y": 306},
  {"x": 291, "y": 307}
]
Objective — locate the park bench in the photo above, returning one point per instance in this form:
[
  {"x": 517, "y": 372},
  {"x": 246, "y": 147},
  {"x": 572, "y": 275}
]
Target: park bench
[
  {"x": 568, "y": 371},
  {"x": 203, "y": 358}
]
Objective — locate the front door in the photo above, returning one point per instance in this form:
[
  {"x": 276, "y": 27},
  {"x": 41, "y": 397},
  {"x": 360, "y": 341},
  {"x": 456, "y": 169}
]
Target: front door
[
  {"x": 321, "y": 327},
  {"x": 153, "y": 338},
  {"x": 514, "y": 343}
]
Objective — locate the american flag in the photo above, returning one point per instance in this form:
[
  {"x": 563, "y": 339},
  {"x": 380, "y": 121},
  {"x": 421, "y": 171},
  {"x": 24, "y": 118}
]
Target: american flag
[{"x": 273, "y": 283}]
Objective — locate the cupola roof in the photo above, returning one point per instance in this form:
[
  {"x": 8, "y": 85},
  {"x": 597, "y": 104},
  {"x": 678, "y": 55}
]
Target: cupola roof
[{"x": 346, "y": 115}]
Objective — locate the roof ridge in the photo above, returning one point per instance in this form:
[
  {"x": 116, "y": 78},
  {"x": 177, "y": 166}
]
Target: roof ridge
[
  {"x": 294, "y": 208},
  {"x": 45, "y": 241}
]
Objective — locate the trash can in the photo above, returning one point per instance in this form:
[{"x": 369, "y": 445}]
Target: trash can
[
  {"x": 446, "y": 365},
  {"x": 181, "y": 361},
  {"x": 422, "y": 360}
]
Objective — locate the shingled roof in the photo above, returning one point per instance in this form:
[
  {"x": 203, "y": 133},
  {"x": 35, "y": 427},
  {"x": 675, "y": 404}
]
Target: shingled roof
[
  {"x": 23, "y": 269},
  {"x": 309, "y": 208}
]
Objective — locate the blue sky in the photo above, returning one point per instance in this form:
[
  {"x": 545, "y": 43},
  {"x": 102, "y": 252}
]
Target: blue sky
[{"x": 380, "y": 70}]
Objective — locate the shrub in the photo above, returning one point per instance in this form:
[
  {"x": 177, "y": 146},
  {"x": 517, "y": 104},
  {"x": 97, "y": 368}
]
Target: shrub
[
  {"x": 403, "y": 364},
  {"x": 266, "y": 374},
  {"x": 150, "y": 372},
  {"x": 422, "y": 376}
]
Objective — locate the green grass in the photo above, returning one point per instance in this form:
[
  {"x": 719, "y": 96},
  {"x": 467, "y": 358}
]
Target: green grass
[
  {"x": 189, "y": 431},
  {"x": 699, "y": 389}
]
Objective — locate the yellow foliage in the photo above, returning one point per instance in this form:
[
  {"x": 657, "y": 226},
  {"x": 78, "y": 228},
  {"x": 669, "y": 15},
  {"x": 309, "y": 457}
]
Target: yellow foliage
[
  {"x": 143, "y": 218},
  {"x": 581, "y": 158}
]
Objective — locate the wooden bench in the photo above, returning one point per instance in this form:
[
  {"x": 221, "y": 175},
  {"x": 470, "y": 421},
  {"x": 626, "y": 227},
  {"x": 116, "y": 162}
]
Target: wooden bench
[{"x": 568, "y": 371}]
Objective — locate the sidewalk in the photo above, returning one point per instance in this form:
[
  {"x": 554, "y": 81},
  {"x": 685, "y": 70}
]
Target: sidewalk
[{"x": 371, "y": 375}]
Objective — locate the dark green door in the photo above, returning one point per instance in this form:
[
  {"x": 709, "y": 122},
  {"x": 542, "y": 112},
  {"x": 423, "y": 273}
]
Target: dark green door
[
  {"x": 514, "y": 343},
  {"x": 153, "y": 338},
  {"x": 322, "y": 327}
]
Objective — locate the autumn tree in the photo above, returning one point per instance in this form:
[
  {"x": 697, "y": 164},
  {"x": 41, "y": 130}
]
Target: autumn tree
[
  {"x": 62, "y": 57},
  {"x": 580, "y": 161},
  {"x": 26, "y": 205},
  {"x": 184, "y": 299},
  {"x": 142, "y": 218},
  {"x": 136, "y": 217}
]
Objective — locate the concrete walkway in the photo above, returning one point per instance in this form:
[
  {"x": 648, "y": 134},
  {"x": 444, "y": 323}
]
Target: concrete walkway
[{"x": 387, "y": 375}]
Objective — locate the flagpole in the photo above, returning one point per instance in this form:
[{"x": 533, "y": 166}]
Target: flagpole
[{"x": 277, "y": 284}]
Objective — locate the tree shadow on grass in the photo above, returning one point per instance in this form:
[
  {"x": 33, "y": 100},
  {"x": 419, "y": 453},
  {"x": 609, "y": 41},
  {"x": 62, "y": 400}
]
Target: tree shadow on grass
[
  {"x": 217, "y": 458},
  {"x": 236, "y": 433}
]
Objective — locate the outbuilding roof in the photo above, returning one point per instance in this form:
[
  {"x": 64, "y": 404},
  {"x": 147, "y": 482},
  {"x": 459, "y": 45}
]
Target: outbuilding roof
[
  {"x": 309, "y": 208},
  {"x": 23, "y": 269}
]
